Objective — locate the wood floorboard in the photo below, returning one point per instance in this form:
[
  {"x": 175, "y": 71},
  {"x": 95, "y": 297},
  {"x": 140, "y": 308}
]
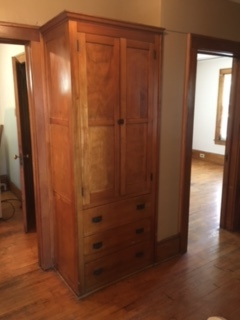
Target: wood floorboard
[{"x": 202, "y": 283}]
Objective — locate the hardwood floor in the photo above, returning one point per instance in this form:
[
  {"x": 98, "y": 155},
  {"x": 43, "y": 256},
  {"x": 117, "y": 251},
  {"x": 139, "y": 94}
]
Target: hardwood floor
[{"x": 202, "y": 283}]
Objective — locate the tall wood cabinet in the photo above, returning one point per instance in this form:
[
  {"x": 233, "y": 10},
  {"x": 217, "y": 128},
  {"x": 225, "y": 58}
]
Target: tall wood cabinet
[{"x": 102, "y": 80}]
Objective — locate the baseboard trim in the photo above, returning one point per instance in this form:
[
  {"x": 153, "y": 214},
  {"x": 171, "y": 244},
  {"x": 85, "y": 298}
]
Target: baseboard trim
[
  {"x": 208, "y": 156},
  {"x": 168, "y": 248},
  {"x": 15, "y": 190}
]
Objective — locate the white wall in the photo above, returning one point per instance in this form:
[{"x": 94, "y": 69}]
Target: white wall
[
  {"x": 9, "y": 146},
  {"x": 206, "y": 95}
]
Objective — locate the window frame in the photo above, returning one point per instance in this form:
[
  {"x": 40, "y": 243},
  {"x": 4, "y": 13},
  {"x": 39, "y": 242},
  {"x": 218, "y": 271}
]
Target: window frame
[{"x": 222, "y": 73}]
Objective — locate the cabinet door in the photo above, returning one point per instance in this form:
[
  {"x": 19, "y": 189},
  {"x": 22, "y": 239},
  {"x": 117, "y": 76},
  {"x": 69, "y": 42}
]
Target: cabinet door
[
  {"x": 137, "y": 75},
  {"x": 99, "y": 110}
]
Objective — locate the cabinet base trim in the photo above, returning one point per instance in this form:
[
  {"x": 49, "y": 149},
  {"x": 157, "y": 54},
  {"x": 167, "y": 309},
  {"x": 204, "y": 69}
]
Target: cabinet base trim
[{"x": 168, "y": 248}]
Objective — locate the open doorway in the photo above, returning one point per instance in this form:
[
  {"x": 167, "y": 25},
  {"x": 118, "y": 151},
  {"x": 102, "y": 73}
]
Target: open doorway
[
  {"x": 229, "y": 205},
  {"x": 19, "y": 241},
  {"x": 29, "y": 37},
  {"x": 208, "y": 146},
  {"x": 16, "y": 155}
]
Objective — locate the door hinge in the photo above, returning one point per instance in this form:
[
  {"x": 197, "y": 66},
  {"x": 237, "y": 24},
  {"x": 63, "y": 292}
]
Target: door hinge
[
  {"x": 78, "y": 46},
  {"x": 82, "y": 191},
  {"x": 226, "y": 157},
  {"x": 151, "y": 176},
  {"x": 154, "y": 54}
]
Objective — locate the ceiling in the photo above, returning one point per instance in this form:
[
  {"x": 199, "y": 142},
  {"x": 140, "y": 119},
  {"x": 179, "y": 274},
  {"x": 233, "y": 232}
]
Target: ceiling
[{"x": 201, "y": 56}]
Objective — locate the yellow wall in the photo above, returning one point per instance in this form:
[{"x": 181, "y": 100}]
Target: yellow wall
[
  {"x": 39, "y": 12},
  {"x": 171, "y": 117},
  {"x": 219, "y": 18},
  {"x": 140, "y": 11}
]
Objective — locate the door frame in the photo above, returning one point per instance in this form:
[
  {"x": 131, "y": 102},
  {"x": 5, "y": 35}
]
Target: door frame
[
  {"x": 29, "y": 36},
  {"x": 229, "y": 212}
]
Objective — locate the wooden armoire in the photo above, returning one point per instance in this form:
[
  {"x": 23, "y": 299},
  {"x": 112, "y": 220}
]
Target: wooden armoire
[{"x": 102, "y": 80}]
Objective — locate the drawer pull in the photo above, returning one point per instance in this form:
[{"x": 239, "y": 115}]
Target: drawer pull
[
  {"x": 140, "y": 230},
  {"x": 97, "y": 245},
  {"x": 98, "y": 272},
  {"x": 140, "y": 206},
  {"x": 97, "y": 219},
  {"x": 139, "y": 254}
]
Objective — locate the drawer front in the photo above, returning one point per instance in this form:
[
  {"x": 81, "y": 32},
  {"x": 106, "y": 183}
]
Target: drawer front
[
  {"x": 116, "y": 214},
  {"x": 97, "y": 245},
  {"x": 117, "y": 265}
]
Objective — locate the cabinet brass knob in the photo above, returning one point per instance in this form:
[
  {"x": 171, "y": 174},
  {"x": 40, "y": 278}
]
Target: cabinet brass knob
[
  {"x": 140, "y": 206},
  {"x": 139, "y": 254},
  {"x": 97, "y": 245},
  {"x": 140, "y": 230},
  {"x": 97, "y": 219},
  {"x": 120, "y": 121},
  {"x": 98, "y": 272}
]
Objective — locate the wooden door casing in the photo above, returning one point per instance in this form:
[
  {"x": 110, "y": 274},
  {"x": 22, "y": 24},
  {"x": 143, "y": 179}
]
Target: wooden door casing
[
  {"x": 29, "y": 36},
  {"x": 230, "y": 203}
]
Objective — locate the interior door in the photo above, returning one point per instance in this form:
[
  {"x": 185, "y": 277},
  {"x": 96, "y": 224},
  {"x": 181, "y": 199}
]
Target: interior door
[
  {"x": 24, "y": 143},
  {"x": 230, "y": 217}
]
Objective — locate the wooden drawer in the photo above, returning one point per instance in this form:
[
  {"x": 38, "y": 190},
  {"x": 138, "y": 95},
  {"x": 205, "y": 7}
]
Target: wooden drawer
[
  {"x": 97, "y": 245},
  {"x": 117, "y": 265},
  {"x": 116, "y": 214}
]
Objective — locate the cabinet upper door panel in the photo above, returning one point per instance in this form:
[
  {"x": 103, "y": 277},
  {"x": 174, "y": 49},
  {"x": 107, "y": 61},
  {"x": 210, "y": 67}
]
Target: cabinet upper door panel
[
  {"x": 99, "y": 109},
  {"x": 137, "y": 103},
  {"x": 102, "y": 57}
]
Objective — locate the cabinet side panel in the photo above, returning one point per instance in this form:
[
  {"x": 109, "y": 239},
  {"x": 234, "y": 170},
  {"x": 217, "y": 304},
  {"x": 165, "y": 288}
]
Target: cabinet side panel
[
  {"x": 57, "y": 55},
  {"x": 65, "y": 254},
  {"x": 60, "y": 161},
  {"x": 58, "y": 78}
]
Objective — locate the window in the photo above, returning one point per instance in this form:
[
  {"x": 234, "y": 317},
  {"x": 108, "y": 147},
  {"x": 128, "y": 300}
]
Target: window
[{"x": 224, "y": 86}]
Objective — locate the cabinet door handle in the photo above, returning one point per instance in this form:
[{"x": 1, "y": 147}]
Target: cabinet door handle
[
  {"x": 140, "y": 206},
  {"x": 140, "y": 230},
  {"x": 97, "y": 245},
  {"x": 120, "y": 121},
  {"x": 98, "y": 272},
  {"x": 97, "y": 219},
  {"x": 139, "y": 254}
]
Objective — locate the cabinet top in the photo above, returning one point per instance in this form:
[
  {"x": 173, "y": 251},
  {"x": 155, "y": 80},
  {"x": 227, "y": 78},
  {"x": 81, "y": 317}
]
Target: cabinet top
[{"x": 83, "y": 18}]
